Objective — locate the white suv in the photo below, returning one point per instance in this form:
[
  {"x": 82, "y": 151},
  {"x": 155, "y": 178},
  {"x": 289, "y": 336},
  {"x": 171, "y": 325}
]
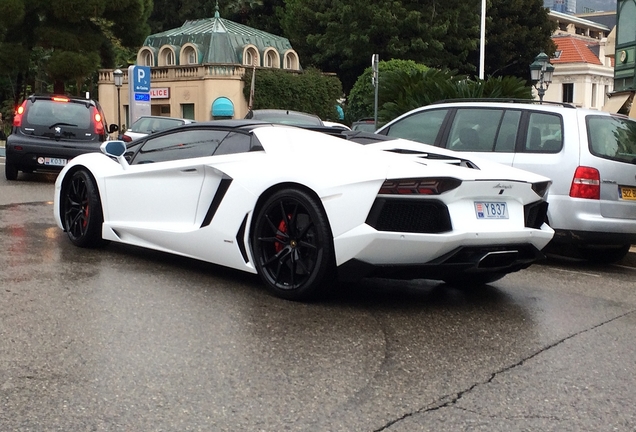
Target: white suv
[{"x": 589, "y": 155}]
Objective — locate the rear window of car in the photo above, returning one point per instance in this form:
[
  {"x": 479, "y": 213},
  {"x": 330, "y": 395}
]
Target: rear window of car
[
  {"x": 46, "y": 114},
  {"x": 612, "y": 137}
]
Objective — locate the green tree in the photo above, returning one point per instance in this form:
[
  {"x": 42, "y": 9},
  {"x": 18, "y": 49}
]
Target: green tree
[
  {"x": 69, "y": 38},
  {"x": 516, "y": 31},
  {"x": 403, "y": 90},
  {"x": 361, "y": 99},
  {"x": 310, "y": 91},
  {"x": 341, "y": 35}
]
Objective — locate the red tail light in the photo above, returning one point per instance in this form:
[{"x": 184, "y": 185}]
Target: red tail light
[
  {"x": 586, "y": 183},
  {"x": 97, "y": 120},
  {"x": 419, "y": 186},
  {"x": 17, "y": 117},
  {"x": 125, "y": 138}
]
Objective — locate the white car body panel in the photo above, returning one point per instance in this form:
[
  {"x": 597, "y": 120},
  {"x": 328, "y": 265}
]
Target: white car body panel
[{"x": 163, "y": 205}]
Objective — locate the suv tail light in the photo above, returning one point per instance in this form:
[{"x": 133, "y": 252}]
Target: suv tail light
[
  {"x": 97, "y": 120},
  {"x": 17, "y": 117},
  {"x": 586, "y": 183},
  {"x": 125, "y": 138}
]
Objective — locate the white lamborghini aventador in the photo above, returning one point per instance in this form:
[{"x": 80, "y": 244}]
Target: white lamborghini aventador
[{"x": 302, "y": 208}]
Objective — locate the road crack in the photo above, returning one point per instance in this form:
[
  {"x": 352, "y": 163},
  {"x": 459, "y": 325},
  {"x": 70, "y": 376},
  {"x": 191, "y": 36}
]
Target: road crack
[{"x": 449, "y": 401}]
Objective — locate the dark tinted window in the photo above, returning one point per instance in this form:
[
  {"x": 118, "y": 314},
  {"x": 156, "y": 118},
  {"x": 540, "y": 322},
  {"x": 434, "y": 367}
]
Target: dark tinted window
[
  {"x": 612, "y": 137},
  {"x": 475, "y": 129},
  {"x": 545, "y": 133},
  {"x": 181, "y": 145},
  {"x": 66, "y": 119},
  {"x": 235, "y": 142},
  {"x": 423, "y": 126}
]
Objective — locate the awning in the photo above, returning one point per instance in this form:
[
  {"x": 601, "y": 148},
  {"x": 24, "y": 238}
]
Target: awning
[
  {"x": 616, "y": 102},
  {"x": 222, "y": 107},
  {"x": 632, "y": 112}
]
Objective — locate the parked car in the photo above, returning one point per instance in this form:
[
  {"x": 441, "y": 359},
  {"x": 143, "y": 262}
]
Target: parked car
[
  {"x": 145, "y": 125},
  {"x": 287, "y": 117},
  {"x": 287, "y": 203},
  {"x": 364, "y": 125},
  {"x": 50, "y": 130},
  {"x": 589, "y": 155}
]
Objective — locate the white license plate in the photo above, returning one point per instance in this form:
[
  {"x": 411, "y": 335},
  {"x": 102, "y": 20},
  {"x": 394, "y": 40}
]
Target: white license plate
[
  {"x": 491, "y": 210},
  {"x": 55, "y": 161}
]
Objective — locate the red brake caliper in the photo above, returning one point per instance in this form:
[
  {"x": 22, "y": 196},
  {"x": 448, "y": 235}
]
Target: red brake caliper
[{"x": 282, "y": 227}]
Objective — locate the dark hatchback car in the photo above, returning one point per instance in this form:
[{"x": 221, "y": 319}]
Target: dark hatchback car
[{"x": 50, "y": 130}]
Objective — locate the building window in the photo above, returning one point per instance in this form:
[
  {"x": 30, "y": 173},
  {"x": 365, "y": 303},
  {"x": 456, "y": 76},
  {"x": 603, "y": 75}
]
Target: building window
[
  {"x": 291, "y": 61},
  {"x": 568, "y": 93},
  {"x": 271, "y": 59},
  {"x": 169, "y": 58},
  {"x": 250, "y": 57},
  {"x": 593, "y": 100},
  {"x": 187, "y": 111}
]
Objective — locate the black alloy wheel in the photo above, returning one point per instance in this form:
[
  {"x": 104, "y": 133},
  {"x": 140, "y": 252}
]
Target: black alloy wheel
[
  {"x": 293, "y": 246},
  {"x": 82, "y": 210}
]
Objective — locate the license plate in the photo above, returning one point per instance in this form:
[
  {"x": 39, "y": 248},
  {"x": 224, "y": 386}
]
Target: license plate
[
  {"x": 491, "y": 210},
  {"x": 55, "y": 161},
  {"x": 627, "y": 193}
]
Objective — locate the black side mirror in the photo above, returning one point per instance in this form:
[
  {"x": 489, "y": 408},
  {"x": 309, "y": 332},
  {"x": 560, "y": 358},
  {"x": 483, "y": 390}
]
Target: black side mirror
[{"x": 113, "y": 128}]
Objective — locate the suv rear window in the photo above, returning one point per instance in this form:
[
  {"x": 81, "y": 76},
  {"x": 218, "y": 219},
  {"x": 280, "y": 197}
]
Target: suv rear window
[
  {"x": 73, "y": 119},
  {"x": 612, "y": 138}
]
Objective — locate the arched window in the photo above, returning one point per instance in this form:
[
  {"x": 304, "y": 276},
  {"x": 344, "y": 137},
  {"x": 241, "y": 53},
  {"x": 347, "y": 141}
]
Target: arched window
[
  {"x": 250, "y": 56},
  {"x": 271, "y": 59},
  {"x": 145, "y": 57},
  {"x": 166, "y": 56},
  {"x": 189, "y": 55},
  {"x": 291, "y": 61}
]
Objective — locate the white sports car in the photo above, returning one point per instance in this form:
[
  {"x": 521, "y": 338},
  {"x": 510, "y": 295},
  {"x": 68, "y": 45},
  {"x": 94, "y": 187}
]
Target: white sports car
[{"x": 302, "y": 208}]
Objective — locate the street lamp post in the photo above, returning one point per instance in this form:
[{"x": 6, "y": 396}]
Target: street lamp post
[
  {"x": 541, "y": 71},
  {"x": 118, "y": 75}
]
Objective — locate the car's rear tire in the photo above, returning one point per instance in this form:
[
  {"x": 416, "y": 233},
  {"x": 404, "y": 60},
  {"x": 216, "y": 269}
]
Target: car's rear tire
[
  {"x": 292, "y": 245},
  {"x": 82, "y": 210},
  {"x": 604, "y": 255},
  {"x": 10, "y": 171}
]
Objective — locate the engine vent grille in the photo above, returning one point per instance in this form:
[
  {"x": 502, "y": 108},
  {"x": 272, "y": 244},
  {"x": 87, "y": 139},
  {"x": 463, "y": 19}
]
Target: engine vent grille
[
  {"x": 535, "y": 214},
  {"x": 409, "y": 216}
]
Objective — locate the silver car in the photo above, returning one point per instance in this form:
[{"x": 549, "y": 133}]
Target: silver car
[
  {"x": 145, "y": 125},
  {"x": 589, "y": 155}
]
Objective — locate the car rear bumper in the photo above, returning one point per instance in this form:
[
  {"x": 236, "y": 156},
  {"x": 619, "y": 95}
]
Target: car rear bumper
[
  {"x": 580, "y": 222},
  {"x": 465, "y": 260},
  {"x": 26, "y": 154}
]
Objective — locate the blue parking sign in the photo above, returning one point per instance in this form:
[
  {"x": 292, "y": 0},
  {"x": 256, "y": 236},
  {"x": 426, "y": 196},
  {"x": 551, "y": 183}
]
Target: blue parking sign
[{"x": 141, "y": 79}]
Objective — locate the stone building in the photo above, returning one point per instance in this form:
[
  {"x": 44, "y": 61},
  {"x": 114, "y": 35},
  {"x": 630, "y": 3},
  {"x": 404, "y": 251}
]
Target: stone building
[{"x": 197, "y": 69}]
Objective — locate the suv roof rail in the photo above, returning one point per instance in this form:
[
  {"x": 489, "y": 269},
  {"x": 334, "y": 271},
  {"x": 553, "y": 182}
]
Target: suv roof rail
[{"x": 506, "y": 100}]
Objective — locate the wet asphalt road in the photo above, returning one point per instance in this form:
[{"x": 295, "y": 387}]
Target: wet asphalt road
[{"x": 123, "y": 339}]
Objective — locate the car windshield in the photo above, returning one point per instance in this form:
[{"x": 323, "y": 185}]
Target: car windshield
[
  {"x": 612, "y": 137},
  {"x": 154, "y": 124}
]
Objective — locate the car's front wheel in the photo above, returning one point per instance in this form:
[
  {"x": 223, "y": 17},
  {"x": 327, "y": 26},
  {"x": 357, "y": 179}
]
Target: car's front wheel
[
  {"x": 82, "y": 210},
  {"x": 292, "y": 245}
]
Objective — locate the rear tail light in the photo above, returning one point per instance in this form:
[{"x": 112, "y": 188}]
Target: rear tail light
[
  {"x": 419, "y": 186},
  {"x": 17, "y": 117},
  {"x": 60, "y": 99},
  {"x": 125, "y": 138},
  {"x": 97, "y": 121},
  {"x": 586, "y": 183}
]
